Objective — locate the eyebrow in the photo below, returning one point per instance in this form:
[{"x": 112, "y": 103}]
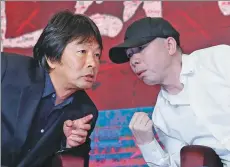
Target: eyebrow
[
  {"x": 85, "y": 44},
  {"x": 99, "y": 48}
]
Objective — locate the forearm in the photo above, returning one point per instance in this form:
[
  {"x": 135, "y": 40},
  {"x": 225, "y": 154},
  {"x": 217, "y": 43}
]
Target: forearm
[{"x": 155, "y": 156}]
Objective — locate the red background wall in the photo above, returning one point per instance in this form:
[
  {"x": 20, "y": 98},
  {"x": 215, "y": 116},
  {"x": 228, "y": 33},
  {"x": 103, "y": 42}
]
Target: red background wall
[{"x": 201, "y": 24}]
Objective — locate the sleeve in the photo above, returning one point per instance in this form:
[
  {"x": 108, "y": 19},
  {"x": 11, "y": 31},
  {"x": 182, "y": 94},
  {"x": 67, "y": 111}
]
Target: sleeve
[
  {"x": 220, "y": 60},
  {"x": 156, "y": 156},
  {"x": 84, "y": 149},
  {"x": 214, "y": 93},
  {"x": 80, "y": 151}
]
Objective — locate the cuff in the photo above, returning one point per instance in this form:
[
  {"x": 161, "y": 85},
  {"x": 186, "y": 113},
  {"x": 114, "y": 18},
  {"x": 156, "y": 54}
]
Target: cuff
[{"x": 152, "y": 151}]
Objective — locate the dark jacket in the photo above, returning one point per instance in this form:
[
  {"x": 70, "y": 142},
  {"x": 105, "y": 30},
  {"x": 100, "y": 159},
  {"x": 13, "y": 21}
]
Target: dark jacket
[{"x": 22, "y": 84}]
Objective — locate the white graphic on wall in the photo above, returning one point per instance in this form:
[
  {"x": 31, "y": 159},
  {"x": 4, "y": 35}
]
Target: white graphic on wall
[
  {"x": 27, "y": 40},
  {"x": 224, "y": 7},
  {"x": 99, "y": 2},
  {"x": 151, "y": 8},
  {"x": 82, "y": 6},
  {"x": 3, "y": 24},
  {"x": 130, "y": 8},
  {"x": 108, "y": 25}
]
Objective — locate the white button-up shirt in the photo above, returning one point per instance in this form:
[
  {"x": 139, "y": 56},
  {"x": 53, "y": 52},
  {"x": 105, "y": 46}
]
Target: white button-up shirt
[{"x": 188, "y": 118}]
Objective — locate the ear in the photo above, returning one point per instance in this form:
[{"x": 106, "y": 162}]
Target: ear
[
  {"x": 52, "y": 64},
  {"x": 171, "y": 45}
]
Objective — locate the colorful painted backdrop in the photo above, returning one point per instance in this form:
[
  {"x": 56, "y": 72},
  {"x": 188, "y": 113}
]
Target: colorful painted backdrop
[{"x": 117, "y": 93}]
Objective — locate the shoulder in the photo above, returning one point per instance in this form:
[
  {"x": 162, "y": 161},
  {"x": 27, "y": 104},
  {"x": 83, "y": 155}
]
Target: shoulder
[
  {"x": 22, "y": 68},
  {"x": 85, "y": 99},
  {"x": 16, "y": 59},
  {"x": 15, "y": 56},
  {"x": 17, "y": 63},
  {"x": 214, "y": 58},
  {"x": 217, "y": 53},
  {"x": 86, "y": 103}
]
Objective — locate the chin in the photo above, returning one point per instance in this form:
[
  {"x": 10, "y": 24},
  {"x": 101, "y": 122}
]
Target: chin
[
  {"x": 150, "y": 82},
  {"x": 84, "y": 86},
  {"x": 87, "y": 86}
]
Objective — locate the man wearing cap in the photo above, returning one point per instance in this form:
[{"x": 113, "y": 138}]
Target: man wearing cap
[{"x": 193, "y": 105}]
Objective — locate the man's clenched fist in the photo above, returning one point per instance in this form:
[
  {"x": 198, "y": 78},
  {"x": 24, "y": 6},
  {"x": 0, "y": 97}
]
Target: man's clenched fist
[
  {"x": 76, "y": 131},
  {"x": 141, "y": 127}
]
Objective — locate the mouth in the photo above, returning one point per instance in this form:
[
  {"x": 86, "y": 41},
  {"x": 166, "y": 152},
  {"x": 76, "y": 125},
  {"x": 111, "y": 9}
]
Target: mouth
[
  {"x": 89, "y": 78},
  {"x": 140, "y": 72}
]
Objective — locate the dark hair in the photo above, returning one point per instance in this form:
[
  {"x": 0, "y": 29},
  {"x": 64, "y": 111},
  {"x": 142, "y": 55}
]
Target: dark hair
[{"x": 63, "y": 28}]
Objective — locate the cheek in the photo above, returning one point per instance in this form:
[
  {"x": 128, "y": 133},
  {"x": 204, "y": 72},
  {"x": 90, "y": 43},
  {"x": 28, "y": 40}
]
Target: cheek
[
  {"x": 148, "y": 62},
  {"x": 155, "y": 66},
  {"x": 97, "y": 68},
  {"x": 155, "y": 62},
  {"x": 132, "y": 68},
  {"x": 165, "y": 62},
  {"x": 147, "y": 58},
  {"x": 130, "y": 64},
  {"x": 75, "y": 65},
  {"x": 73, "y": 69}
]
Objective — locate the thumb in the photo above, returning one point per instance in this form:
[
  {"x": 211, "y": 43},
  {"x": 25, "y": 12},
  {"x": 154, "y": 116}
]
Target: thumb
[
  {"x": 67, "y": 127},
  {"x": 68, "y": 123},
  {"x": 86, "y": 119}
]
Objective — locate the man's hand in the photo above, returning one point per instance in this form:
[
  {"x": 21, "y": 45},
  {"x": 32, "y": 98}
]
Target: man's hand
[
  {"x": 141, "y": 127},
  {"x": 76, "y": 131}
]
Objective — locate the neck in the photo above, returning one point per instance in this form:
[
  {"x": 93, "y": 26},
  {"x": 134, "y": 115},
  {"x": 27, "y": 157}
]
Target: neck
[
  {"x": 61, "y": 88},
  {"x": 171, "y": 82}
]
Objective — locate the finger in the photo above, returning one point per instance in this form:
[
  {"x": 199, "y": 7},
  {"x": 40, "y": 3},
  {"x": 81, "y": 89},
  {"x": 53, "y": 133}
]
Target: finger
[
  {"x": 84, "y": 126},
  {"x": 133, "y": 120},
  {"x": 140, "y": 127},
  {"x": 132, "y": 124},
  {"x": 80, "y": 132},
  {"x": 72, "y": 143},
  {"x": 77, "y": 138},
  {"x": 67, "y": 127},
  {"x": 86, "y": 119},
  {"x": 78, "y": 125},
  {"x": 68, "y": 123},
  {"x": 142, "y": 118},
  {"x": 149, "y": 123}
]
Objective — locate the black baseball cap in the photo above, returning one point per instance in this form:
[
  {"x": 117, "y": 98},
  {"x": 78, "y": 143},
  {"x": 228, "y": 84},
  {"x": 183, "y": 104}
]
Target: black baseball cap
[{"x": 140, "y": 33}]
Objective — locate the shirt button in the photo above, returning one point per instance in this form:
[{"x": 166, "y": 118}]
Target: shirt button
[
  {"x": 53, "y": 95},
  {"x": 42, "y": 130},
  {"x": 29, "y": 150}
]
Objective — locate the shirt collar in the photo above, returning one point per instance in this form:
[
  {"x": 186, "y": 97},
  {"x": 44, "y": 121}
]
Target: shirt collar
[
  {"x": 49, "y": 89},
  {"x": 181, "y": 98},
  {"x": 187, "y": 65},
  {"x": 187, "y": 70}
]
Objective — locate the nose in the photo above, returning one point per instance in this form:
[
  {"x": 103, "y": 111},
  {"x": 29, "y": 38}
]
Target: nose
[
  {"x": 91, "y": 61},
  {"x": 135, "y": 60}
]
